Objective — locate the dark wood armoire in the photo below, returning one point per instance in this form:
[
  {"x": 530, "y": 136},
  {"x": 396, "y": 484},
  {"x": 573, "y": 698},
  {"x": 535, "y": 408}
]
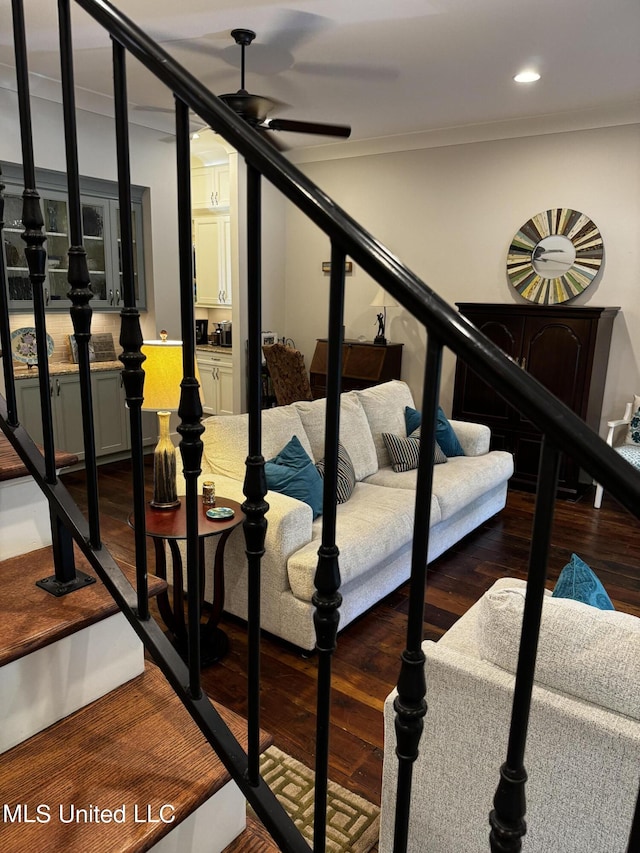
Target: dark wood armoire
[{"x": 566, "y": 349}]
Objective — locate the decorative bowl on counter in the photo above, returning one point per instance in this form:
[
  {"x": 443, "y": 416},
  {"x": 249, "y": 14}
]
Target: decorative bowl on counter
[{"x": 23, "y": 345}]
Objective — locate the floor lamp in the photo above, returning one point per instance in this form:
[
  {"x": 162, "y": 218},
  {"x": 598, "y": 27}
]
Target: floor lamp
[{"x": 163, "y": 375}]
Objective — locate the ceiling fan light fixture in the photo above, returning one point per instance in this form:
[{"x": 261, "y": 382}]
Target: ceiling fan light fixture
[{"x": 527, "y": 76}]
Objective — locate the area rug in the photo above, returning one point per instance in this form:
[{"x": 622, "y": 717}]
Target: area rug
[{"x": 352, "y": 822}]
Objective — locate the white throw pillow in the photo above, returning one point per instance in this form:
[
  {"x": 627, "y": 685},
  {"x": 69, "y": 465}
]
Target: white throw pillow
[
  {"x": 584, "y": 652},
  {"x": 355, "y": 434}
]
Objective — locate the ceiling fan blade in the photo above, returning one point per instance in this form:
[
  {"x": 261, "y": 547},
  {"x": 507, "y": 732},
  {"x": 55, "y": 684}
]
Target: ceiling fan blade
[
  {"x": 349, "y": 70},
  {"x": 263, "y": 130},
  {"x": 342, "y": 130}
]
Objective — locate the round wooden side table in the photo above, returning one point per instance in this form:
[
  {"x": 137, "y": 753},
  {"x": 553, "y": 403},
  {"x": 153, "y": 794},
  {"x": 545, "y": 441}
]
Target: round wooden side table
[{"x": 170, "y": 526}]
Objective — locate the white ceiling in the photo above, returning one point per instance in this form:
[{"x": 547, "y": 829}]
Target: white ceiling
[{"x": 386, "y": 67}]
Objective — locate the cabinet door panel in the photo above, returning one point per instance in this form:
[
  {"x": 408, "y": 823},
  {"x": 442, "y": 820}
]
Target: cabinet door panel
[
  {"x": 225, "y": 389},
  {"x": 556, "y": 355},
  {"x": 68, "y": 414},
  {"x": 474, "y": 398},
  {"x": 109, "y": 413}
]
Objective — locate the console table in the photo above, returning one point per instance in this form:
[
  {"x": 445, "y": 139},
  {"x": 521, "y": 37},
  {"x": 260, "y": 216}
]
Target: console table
[{"x": 363, "y": 364}]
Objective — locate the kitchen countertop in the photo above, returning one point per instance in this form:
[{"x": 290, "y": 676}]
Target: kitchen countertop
[
  {"x": 213, "y": 348},
  {"x": 59, "y": 368}
]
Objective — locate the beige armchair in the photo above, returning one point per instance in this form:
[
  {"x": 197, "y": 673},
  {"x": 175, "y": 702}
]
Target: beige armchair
[{"x": 618, "y": 438}]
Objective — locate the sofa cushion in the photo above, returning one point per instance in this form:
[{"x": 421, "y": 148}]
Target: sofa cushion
[
  {"x": 346, "y": 474},
  {"x": 355, "y": 434},
  {"x": 291, "y": 472},
  {"x": 585, "y": 652},
  {"x": 579, "y": 582},
  {"x": 404, "y": 451},
  {"x": 370, "y": 529},
  {"x": 384, "y": 407},
  {"x": 465, "y": 479},
  {"x": 225, "y": 439}
]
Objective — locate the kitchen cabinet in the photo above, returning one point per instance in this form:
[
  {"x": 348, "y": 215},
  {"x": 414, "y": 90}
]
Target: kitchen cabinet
[
  {"x": 100, "y": 221},
  {"x": 216, "y": 382},
  {"x": 111, "y": 419},
  {"x": 566, "y": 349},
  {"x": 212, "y": 261},
  {"x": 363, "y": 364},
  {"x": 210, "y": 187}
]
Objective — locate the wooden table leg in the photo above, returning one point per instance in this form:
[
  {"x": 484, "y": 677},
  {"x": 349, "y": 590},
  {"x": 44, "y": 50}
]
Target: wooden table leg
[{"x": 215, "y": 642}]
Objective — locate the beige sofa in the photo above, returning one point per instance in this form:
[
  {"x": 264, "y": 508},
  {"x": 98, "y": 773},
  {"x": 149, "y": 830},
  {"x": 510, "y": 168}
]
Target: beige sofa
[
  {"x": 374, "y": 527},
  {"x": 583, "y": 748}
]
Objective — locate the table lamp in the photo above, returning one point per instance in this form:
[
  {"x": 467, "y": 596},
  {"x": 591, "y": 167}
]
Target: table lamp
[
  {"x": 384, "y": 301},
  {"x": 163, "y": 375}
]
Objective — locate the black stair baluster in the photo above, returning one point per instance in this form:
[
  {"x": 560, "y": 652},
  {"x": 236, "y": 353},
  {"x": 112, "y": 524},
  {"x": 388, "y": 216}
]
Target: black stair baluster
[
  {"x": 79, "y": 280},
  {"x": 327, "y": 598},
  {"x": 410, "y": 705},
  {"x": 507, "y": 821},
  {"x": 5, "y": 328},
  {"x": 190, "y": 409},
  {"x": 255, "y": 486},
  {"x": 33, "y": 236},
  {"x": 132, "y": 356}
]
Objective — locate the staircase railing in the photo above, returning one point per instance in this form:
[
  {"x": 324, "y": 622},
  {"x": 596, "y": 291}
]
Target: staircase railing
[{"x": 563, "y": 432}]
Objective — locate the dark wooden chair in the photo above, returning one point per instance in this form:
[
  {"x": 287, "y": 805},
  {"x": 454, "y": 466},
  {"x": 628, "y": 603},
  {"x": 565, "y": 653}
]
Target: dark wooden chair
[{"x": 288, "y": 374}]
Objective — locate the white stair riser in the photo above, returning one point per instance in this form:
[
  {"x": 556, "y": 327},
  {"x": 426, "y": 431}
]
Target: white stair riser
[
  {"x": 53, "y": 682},
  {"x": 211, "y": 828},
  {"x": 24, "y": 518}
]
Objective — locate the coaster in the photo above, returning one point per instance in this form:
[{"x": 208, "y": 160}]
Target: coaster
[{"x": 220, "y": 512}]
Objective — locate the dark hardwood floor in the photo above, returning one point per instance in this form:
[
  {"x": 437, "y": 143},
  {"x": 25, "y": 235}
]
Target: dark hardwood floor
[{"x": 367, "y": 659}]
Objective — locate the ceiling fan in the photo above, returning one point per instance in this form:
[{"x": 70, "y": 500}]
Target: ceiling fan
[{"x": 255, "y": 109}]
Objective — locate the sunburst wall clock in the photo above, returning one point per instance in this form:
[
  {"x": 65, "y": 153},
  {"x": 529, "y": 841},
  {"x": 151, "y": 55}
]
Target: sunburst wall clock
[{"x": 555, "y": 256}]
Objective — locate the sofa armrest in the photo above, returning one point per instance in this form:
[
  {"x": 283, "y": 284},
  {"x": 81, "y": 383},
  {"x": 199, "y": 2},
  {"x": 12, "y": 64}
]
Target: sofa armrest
[{"x": 474, "y": 438}]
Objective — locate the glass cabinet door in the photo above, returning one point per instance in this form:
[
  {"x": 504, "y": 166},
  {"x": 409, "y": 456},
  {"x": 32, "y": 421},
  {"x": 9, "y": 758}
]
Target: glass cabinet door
[
  {"x": 18, "y": 282},
  {"x": 57, "y": 245},
  {"x": 138, "y": 263},
  {"x": 94, "y": 217}
]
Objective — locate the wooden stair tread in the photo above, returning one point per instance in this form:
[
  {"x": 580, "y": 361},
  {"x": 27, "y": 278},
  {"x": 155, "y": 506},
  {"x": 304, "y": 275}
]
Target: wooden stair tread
[
  {"x": 12, "y": 467},
  {"x": 255, "y": 839},
  {"x": 137, "y": 746},
  {"x": 33, "y": 618}
]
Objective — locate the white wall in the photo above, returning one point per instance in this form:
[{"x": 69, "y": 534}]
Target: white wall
[
  {"x": 153, "y": 165},
  {"x": 450, "y": 213}
]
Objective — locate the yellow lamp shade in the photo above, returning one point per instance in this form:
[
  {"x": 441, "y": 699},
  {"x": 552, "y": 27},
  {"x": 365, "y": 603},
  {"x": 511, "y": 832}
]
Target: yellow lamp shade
[{"x": 163, "y": 375}]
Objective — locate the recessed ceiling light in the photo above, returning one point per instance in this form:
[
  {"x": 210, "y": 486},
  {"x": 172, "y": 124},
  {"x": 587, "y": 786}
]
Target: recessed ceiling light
[{"x": 527, "y": 77}]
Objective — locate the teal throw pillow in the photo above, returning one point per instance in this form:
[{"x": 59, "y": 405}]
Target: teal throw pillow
[
  {"x": 445, "y": 436},
  {"x": 346, "y": 474},
  {"x": 293, "y": 473},
  {"x": 579, "y": 582}
]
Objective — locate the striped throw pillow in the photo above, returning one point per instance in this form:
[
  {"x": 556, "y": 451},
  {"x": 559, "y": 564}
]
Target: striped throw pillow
[
  {"x": 405, "y": 451},
  {"x": 346, "y": 474}
]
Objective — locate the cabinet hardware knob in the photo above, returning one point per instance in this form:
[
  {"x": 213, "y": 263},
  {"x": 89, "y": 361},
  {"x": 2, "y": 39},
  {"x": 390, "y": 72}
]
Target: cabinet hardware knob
[
  {"x": 57, "y": 387},
  {"x": 110, "y": 297},
  {"x": 117, "y": 297},
  {"x": 524, "y": 363},
  {"x": 46, "y": 296}
]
